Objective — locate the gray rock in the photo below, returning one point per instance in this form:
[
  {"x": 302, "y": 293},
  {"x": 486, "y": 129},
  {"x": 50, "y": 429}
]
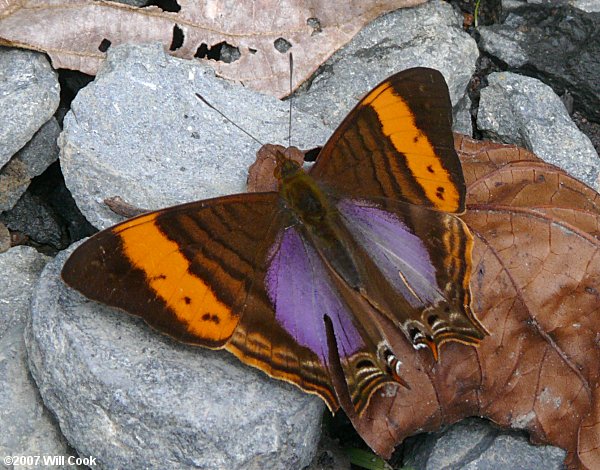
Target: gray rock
[
  {"x": 475, "y": 444},
  {"x": 462, "y": 119},
  {"x": 19, "y": 268},
  {"x": 134, "y": 3},
  {"x": 499, "y": 41},
  {"x": 133, "y": 398},
  {"x": 587, "y": 5},
  {"x": 429, "y": 35},
  {"x": 523, "y": 111},
  {"x": 560, "y": 45},
  {"x": 508, "y": 5},
  {"x": 139, "y": 132},
  {"x": 26, "y": 427},
  {"x": 34, "y": 217},
  {"x": 29, "y": 96},
  {"x": 27, "y": 163}
]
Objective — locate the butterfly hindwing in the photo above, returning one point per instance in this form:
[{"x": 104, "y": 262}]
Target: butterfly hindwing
[
  {"x": 279, "y": 331},
  {"x": 425, "y": 258},
  {"x": 320, "y": 312},
  {"x": 395, "y": 152},
  {"x": 397, "y": 143}
]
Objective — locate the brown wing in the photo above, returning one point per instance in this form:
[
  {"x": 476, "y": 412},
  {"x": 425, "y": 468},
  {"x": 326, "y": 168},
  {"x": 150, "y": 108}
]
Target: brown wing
[
  {"x": 197, "y": 273},
  {"x": 397, "y": 143}
]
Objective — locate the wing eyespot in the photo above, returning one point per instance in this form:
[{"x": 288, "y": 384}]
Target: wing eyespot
[{"x": 415, "y": 334}]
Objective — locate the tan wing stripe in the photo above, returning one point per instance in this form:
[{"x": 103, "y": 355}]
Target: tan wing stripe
[
  {"x": 398, "y": 123},
  {"x": 167, "y": 274}
]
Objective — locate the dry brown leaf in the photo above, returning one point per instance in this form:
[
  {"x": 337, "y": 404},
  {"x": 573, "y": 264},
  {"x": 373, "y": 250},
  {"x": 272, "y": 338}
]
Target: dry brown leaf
[
  {"x": 535, "y": 284},
  {"x": 74, "y": 33}
]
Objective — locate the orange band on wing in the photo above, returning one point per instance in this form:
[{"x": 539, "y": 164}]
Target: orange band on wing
[
  {"x": 398, "y": 123},
  {"x": 167, "y": 273}
]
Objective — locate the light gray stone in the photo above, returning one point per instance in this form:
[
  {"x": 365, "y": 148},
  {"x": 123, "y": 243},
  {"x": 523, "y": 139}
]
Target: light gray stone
[
  {"x": 26, "y": 427},
  {"x": 558, "y": 44},
  {"x": 500, "y": 42},
  {"x": 429, "y": 35},
  {"x": 134, "y": 3},
  {"x": 19, "y": 269},
  {"x": 29, "y": 96},
  {"x": 37, "y": 155},
  {"x": 508, "y": 5},
  {"x": 133, "y": 398},
  {"x": 522, "y": 110},
  {"x": 587, "y": 5},
  {"x": 139, "y": 132},
  {"x": 462, "y": 120},
  {"x": 475, "y": 444}
]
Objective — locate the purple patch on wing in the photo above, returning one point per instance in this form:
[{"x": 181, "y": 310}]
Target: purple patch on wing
[
  {"x": 398, "y": 253},
  {"x": 302, "y": 293}
]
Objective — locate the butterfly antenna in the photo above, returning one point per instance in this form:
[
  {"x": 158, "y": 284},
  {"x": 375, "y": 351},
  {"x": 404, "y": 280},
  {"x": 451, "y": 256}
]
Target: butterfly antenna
[
  {"x": 204, "y": 100},
  {"x": 291, "y": 85}
]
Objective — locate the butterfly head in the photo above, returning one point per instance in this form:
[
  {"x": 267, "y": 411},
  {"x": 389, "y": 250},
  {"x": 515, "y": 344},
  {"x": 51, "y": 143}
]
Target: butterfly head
[{"x": 286, "y": 168}]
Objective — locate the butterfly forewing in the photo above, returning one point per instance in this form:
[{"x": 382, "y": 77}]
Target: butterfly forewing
[
  {"x": 184, "y": 269},
  {"x": 397, "y": 143}
]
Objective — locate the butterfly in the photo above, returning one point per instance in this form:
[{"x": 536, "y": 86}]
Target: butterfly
[{"x": 304, "y": 282}]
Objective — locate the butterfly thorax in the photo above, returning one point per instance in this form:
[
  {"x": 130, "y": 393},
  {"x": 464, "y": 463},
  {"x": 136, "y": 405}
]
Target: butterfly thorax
[{"x": 311, "y": 210}]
